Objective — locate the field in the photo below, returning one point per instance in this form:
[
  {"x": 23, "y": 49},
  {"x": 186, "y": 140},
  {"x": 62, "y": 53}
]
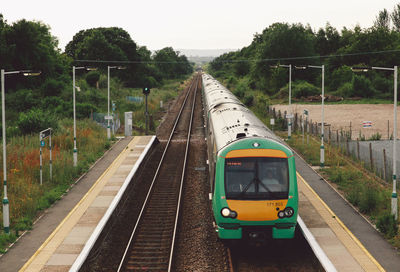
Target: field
[{"x": 342, "y": 116}]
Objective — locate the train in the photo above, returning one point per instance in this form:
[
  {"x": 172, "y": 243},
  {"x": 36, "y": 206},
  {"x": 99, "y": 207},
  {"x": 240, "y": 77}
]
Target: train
[{"x": 252, "y": 173}]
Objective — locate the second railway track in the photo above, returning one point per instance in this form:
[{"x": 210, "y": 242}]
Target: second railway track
[{"x": 151, "y": 244}]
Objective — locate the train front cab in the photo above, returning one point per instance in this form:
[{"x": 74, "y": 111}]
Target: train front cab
[{"x": 255, "y": 194}]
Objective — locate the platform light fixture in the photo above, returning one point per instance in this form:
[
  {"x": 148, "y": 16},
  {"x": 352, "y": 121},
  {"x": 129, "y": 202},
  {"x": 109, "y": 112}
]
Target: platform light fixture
[
  {"x": 322, "y": 147},
  {"x": 395, "y": 73},
  {"x": 6, "y": 208},
  {"x": 75, "y": 155},
  {"x": 290, "y": 112},
  {"x": 108, "y": 95}
]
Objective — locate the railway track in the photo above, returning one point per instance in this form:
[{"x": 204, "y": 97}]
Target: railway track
[{"x": 151, "y": 244}]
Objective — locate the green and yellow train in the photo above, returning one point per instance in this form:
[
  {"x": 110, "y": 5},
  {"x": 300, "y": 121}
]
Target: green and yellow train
[{"x": 252, "y": 174}]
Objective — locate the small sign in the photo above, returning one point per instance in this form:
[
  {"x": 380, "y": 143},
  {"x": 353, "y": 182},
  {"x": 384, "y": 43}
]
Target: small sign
[
  {"x": 45, "y": 133},
  {"x": 306, "y": 112},
  {"x": 108, "y": 117},
  {"x": 272, "y": 121},
  {"x": 367, "y": 124},
  {"x": 42, "y": 143}
]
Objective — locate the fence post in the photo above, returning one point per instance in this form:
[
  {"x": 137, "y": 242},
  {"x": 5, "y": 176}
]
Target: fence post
[
  {"x": 329, "y": 138},
  {"x": 370, "y": 156},
  {"x": 350, "y": 130},
  {"x": 384, "y": 164},
  {"x": 358, "y": 149},
  {"x": 388, "y": 130},
  {"x": 347, "y": 147}
]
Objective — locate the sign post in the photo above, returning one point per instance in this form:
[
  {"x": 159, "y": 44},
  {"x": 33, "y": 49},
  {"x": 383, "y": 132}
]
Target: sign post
[
  {"x": 43, "y": 135},
  {"x": 305, "y": 112},
  {"x": 146, "y": 92}
]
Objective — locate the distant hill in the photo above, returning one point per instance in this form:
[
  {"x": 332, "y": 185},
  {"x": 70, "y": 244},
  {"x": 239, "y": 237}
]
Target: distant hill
[{"x": 201, "y": 56}]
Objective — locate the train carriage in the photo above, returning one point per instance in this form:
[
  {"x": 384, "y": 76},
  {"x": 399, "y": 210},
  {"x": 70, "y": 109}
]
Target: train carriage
[{"x": 252, "y": 174}]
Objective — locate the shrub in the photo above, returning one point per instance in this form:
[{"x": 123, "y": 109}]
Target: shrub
[
  {"x": 304, "y": 89},
  {"x": 362, "y": 86},
  {"x": 375, "y": 137},
  {"x": 52, "y": 87},
  {"x": 92, "y": 78},
  {"x": 248, "y": 100},
  {"x": 369, "y": 199},
  {"x": 387, "y": 225},
  {"x": 346, "y": 90},
  {"x": 36, "y": 120}
]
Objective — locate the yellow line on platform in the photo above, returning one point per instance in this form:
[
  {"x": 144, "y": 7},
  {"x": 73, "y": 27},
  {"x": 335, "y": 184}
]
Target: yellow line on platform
[
  {"x": 26, "y": 265},
  {"x": 355, "y": 239}
]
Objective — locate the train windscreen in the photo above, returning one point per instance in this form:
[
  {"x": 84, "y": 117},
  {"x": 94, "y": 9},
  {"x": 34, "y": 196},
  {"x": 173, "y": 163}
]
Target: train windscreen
[{"x": 260, "y": 178}]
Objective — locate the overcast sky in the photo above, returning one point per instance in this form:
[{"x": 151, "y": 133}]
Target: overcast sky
[{"x": 188, "y": 24}]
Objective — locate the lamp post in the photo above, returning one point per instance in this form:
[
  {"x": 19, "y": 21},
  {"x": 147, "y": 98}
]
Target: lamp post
[
  {"x": 290, "y": 115},
  {"x": 108, "y": 100},
  {"x": 394, "y": 69},
  {"x": 322, "y": 147},
  {"x": 6, "y": 208},
  {"x": 75, "y": 155}
]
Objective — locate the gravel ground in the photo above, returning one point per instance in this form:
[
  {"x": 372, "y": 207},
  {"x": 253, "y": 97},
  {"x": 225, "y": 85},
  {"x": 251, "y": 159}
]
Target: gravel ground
[{"x": 197, "y": 246}]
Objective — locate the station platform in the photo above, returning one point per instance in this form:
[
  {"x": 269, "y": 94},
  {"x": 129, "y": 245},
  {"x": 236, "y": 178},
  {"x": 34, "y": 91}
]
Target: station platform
[
  {"x": 347, "y": 239},
  {"x": 77, "y": 232}
]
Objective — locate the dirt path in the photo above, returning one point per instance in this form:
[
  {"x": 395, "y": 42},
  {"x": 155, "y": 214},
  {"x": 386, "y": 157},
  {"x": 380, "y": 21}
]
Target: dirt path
[{"x": 341, "y": 116}]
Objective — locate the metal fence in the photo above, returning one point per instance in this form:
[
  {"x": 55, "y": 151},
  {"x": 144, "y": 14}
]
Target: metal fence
[
  {"x": 115, "y": 123},
  {"x": 375, "y": 155}
]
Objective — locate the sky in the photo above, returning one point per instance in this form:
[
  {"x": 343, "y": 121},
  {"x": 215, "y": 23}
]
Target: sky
[{"x": 188, "y": 24}]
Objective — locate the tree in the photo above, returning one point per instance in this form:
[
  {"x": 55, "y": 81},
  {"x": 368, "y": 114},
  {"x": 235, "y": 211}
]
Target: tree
[
  {"x": 396, "y": 18},
  {"x": 382, "y": 20}
]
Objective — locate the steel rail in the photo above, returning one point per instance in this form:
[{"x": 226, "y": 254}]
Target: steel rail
[
  {"x": 154, "y": 179},
  {"x": 183, "y": 173}
]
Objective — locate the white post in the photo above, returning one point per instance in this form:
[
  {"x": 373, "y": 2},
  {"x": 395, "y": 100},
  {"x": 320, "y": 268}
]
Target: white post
[
  {"x": 73, "y": 102},
  {"x": 322, "y": 159},
  {"x": 6, "y": 213},
  {"x": 290, "y": 103},
  {"x": 394, "y": 193},
  {"x": 108, "y": 104},
  {"x": 51, "y": 162},
  {"x": 40, "y": 156}
]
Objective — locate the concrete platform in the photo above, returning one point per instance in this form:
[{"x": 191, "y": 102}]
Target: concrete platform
[
  {"x": 80, "y": 228},
  {"x": 349, "y": 240},
  {"x": 342, "y": 248}
]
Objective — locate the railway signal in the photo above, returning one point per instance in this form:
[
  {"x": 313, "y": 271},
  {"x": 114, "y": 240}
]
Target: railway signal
[{"x": 146, "y": 92}]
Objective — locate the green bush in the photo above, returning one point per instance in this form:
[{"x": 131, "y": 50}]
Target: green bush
[
  {"x": 387, "y": 225},
  {"x": 36, "y": 120},
  {"x": 92, "y": 78},
  {"x": 362, "y": 86},
  {"x": 369, "y": 199},
  {"x": 375, "y": 137},
  {"x": 248, "y": 100},
  {"x": 346, "y": 90},
  {"x": 52, "y": 87},
  {"x": 304, "y": 89}
]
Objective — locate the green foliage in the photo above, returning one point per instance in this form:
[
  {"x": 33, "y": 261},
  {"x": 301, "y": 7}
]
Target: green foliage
[
  {"x": 304, "y": 89},
  {"x": 369, "y": 199},
  {"x": 92, "y": 78},
  {"x": 52, "y": 87},
  {"x": 387, "y": 225},
  {"x": 346, "y": 90},
  {"x": 36, "y": 120},
  {"x": 362, "y": 86},
  {"x": 375, "y": 137},
  {"x": 248, "y": 100}
]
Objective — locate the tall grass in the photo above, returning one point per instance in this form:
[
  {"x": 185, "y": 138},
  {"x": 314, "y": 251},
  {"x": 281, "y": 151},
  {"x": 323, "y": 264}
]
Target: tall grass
[{"x": 26, "y": 196}]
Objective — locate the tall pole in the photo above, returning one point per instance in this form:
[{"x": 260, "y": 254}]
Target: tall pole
[
  {"x": 394, "y": 193},
  {"x": 51, "y": 162},
  {"x": 73, "y": 102},
  {"x": 6, "y": 213},
  {"x": 290, "y": 103},
  {"x": 147, "y": 117},
  {"x": 322, "y": 157},
  {"x": 108, "y": 105}
]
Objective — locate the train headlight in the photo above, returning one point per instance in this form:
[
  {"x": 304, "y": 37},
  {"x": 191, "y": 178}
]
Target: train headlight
[
  {"x": 256, "y": 144},
  {"x": 289, "y": 212},
  {"x": 226, "y": 212}
]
